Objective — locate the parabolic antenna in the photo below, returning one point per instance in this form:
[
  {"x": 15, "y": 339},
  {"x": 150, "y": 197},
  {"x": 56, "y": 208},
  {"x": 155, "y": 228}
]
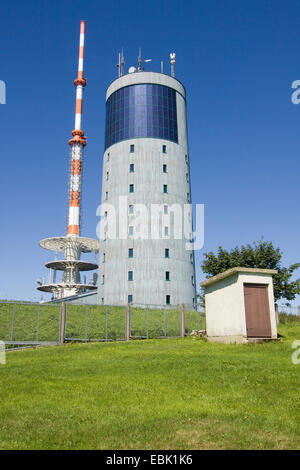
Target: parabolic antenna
[{"x": 131, "y": 69}]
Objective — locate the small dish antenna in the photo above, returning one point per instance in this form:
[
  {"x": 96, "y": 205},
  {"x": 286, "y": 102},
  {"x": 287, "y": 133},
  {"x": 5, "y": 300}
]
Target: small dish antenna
[{"x": 131, "y": 69}]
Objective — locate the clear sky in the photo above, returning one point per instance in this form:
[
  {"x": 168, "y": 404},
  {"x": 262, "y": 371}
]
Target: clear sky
[{"x": 237, "y": 60}]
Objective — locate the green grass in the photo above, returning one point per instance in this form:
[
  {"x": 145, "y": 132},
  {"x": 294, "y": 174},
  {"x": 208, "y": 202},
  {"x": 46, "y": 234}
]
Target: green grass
[
  {"x": 152, "y": 394},
  {"x": 26, "y": 316}
]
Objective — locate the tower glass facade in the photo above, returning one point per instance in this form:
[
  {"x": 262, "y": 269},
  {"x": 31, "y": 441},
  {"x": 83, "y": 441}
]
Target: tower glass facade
[{"x": 142, "y": 110}]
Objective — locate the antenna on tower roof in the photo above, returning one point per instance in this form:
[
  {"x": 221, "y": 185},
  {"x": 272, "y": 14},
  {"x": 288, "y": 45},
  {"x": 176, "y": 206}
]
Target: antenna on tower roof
[
  {"x": 140, "y": 68},
  {"x": 119, "y": 65},
  {"x": 122, "y": 63},
  {"x": 140, "y": 60},
  {"x": 172, "y": 57}
]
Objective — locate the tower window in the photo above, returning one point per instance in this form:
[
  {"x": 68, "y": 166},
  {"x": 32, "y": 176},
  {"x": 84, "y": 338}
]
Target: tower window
[
  {"x": 131, "y": 168},
  {"x": 130, "y": 252},
  {"x": 188, "y": 196},
  {"x": 166, "y": 231},
  {"x": 130, "y": 275},
  {"x": 186, "y": 159},
  {"x": 102, "y": 279},
  {"x": 105, "y": 214},
  {"x": 168, "y": 299},
  {"x": 164, "y": 168},
  {"x": 131, "y": 148},
  {"x": 131, "y": 188},
  {"x": 165, "y": 209},
  {"x": 130, "y": 209},
  {"x": 102, "y": 300},
  {"x": 103, "y": 258},
  {"x": 130, "y": 299},
  {"x": 107, "y": 157},
  {"x": 192, "y": 280},
  {"x": 164, "y": 149},
  {"x": 191, "y": 257},
  {"x": 130, "y": 231},
  {"x": 167, "y": 253},
  {"x": 107, "y": 175},
  {"x": 167, "y": 275},
  {"x": 165, "y": 188},
  {"x": 106, "y": 195},
  {"x": 187, "y": 177}
]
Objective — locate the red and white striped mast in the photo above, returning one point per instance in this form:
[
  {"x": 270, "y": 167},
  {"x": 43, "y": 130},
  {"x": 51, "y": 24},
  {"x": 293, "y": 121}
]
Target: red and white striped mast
[
  {"x": 77, "y": 144},
  {"x": 73, "y": 244}
]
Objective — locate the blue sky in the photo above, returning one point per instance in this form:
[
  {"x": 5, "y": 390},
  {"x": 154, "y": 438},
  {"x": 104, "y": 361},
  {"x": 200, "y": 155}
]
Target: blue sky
[{"x": 237, "y": 60}]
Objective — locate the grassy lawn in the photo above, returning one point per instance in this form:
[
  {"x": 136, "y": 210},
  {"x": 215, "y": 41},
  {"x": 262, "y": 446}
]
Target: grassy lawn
[{"x": 152, "y": 394}]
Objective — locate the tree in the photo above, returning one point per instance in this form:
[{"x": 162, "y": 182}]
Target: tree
[{"x": 261, "y": 254}]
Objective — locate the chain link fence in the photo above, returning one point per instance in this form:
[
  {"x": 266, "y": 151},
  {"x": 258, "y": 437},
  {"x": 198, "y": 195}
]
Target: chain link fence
[
  {"x": 23, "y": 324},
  {"x": 26, "y": 323},
  {"x": 107, "y": 323}
]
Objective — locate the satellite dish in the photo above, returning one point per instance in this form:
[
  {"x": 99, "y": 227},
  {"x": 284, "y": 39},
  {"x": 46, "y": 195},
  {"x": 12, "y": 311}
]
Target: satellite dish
[{"x": 131, "y": 69}]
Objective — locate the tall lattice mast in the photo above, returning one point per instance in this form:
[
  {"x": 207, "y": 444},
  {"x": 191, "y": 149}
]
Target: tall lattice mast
[
  {"x": 73, "y": 244},
  {"x": 77, "y": 144}
]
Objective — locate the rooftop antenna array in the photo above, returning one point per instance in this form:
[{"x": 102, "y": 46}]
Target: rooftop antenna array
[
  {"x": 140, "y": 68},
  {"x": 72, "y": 245}
]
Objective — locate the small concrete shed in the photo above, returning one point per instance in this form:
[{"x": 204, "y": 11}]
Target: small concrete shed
[{"x": 239, "y": 305}]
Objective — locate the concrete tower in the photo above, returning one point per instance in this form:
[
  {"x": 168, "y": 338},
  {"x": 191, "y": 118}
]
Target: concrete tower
[{"x": 146, "y": 161}]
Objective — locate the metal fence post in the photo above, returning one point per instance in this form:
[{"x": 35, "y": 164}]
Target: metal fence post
[
  {"x": 147, "y": 323},
  {"x": 276, "y": 314},
  {"x": 87, "y": 322},
  {"x": 106, "y": 321},
  {"x": 165, "y": 315},
  {"x": 127, "y": 325},
  {"x": 12, "y": 322},
  {"x": 38, "y": 323},
  {"x": 182, "y": 327},
  {"x": 62, "y": 329}
]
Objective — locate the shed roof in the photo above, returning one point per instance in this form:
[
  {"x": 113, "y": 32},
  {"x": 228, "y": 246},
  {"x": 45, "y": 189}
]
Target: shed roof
[{"x": 232, "y": 271}]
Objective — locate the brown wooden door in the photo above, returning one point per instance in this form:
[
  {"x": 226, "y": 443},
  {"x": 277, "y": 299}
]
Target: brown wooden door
[{"x": 257, "y": 310}]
